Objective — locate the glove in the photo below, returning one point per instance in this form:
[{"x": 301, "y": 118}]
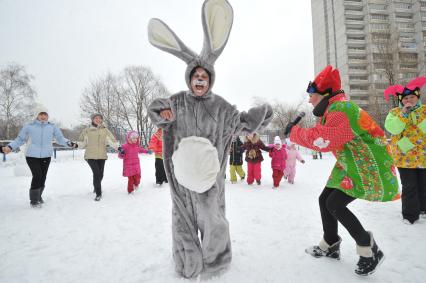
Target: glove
[
  {"x": 150, "y": 151},
  {"x": 121, "y": 150},
  {"x": 288, "y": 128},
  {"x": 72, "y": 144}
]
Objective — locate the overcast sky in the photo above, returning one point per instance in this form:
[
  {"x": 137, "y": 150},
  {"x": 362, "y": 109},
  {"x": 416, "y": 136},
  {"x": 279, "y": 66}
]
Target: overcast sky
[{"x": 67, "y": 43}]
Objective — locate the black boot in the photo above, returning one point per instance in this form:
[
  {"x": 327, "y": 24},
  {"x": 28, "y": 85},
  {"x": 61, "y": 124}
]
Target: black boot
[
  {"x": 41, "y": 193},
  {"x": 370, "y": 258},
  {"x": 324, "y": 249},
  {"x": 35, "y": 198}
]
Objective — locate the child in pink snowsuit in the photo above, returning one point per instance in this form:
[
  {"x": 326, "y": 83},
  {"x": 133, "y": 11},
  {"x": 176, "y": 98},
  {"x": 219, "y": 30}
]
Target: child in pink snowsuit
[
  {"x": 129, "y": 152},
  {"x": 278, "y": 156},
  {"x": 292, "y": 156}
]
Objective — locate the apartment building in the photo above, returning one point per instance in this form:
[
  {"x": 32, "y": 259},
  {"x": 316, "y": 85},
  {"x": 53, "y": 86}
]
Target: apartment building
[{"x": 368, "y": 40}]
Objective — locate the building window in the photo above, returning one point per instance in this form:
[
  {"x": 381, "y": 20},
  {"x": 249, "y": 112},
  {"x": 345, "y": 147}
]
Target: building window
[
  {"x": 405, "y": 25},
  {"x": 381, "y": 56},
  {"x": 404, "y": 17},
  {"x": 380, "y": 26},
  {"x": 378, "y": 6},
  {"x": 358, "y": 78},
  {"x": 408, "y": 56},
  {"x": 358, "y": 87},
  {"x": 403, "y": 5},
  {"x": 411, "y": 45},
  {"x": 407, "y": 75},
  {"x": 407, "y": 66},
  {"x": 379, "y": 17},
  {"x": 358, "y": 68}
]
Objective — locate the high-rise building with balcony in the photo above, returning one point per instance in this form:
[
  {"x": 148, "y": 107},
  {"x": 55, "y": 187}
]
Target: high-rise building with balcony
[{"x": 371, "y": 42}]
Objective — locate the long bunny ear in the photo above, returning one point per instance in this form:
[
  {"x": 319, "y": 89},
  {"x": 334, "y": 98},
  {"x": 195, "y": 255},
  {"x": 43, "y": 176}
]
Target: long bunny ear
[
  {"x": 162, "y": 37},
  {"x": 217, "y": 16}
]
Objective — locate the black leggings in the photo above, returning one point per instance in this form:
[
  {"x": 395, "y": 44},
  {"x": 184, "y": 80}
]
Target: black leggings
[
  {"x": 97, "y": 166},
  {"x": 413, "y": 196},
  {"x": 39, "y": 168},
  {"x": 333, "y": 209},
  {"x": 160, "y": 174}
]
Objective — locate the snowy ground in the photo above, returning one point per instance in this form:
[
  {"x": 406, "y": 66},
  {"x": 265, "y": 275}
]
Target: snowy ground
[{"x": 128, "y": 238}]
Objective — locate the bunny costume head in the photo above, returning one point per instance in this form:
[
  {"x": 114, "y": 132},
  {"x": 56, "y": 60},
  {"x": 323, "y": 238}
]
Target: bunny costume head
[{"x": 217, "y": 17}]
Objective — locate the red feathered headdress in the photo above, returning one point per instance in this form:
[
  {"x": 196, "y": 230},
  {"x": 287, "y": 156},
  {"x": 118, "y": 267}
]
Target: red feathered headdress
[
  {"x": 326, "y": 82},
  {"x": 413, "y": 87}
]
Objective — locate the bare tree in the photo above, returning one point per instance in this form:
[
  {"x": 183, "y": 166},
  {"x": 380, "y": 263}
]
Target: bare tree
[
  {"x": 101, "y": 97},
  {"x": 123, "y": 100},
  {"x": 139, "y": 87},
  {"x": 17, "y": 98}
]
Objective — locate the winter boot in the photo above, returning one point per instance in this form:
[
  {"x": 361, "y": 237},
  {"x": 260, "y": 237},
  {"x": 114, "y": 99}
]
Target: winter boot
[
  {"x": 324, "y": 249},
  {"x": 41, "y": 192},
  {"x": 35, "y": 198},
  {"x": 258, "y": 182},
  {"x": 98, "y": 197},
  {"x": 370, "y": 258}
]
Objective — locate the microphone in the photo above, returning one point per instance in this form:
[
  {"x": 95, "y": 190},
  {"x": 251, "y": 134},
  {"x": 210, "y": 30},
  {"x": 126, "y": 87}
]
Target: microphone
[
  {"x": 294, "y": 122},
  {"x": 298, "y": 118}
]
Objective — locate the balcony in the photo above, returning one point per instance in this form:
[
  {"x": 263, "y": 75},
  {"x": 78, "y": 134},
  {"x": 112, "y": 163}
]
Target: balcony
[
  {"x": 358, "y": 82},
  {"x": 356, "y": 42},
  {"x": 357, "y": 51},
  {"x": 377, "y": 10},
  {"x": 403, "y": 10},
  {"x": 354, "y": 13},
  {"x": 355, "y": 32},
  {"x": 353, "y": 4},
  {"x": 354, "y": 23},
  {"x": 357, "y": 61},
  {"x": 357, "y": 72}
]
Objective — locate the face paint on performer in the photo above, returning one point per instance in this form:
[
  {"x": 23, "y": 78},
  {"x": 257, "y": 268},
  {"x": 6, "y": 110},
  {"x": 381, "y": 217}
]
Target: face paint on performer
[{"x": 200, "y": 82}]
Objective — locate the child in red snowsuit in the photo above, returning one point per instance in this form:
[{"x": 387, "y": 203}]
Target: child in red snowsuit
[
  {"x": 254, "y": 157},
  {"x": 278, "y": 156},
  {"x": 129, "y": 152}
]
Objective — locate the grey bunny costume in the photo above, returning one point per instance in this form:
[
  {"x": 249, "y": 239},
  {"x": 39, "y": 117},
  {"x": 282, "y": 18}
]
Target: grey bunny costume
[{"x": 201, "y": 123}]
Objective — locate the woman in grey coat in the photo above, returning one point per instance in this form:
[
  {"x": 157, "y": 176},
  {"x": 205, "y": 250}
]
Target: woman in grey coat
[{"x": 198, "y": 128}]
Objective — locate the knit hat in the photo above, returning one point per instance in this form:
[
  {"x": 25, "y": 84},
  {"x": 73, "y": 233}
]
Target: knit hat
[
  {"x": 133, "y": 135},
  {"x": 277, "y": 140},
  {"x": 41, "y": 110},
  {"x": 94, "y": 115},
  {"x": 413, "y": 87}
]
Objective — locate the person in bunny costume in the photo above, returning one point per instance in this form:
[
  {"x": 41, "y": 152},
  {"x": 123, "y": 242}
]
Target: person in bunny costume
[{"x": 198, "y": 127}]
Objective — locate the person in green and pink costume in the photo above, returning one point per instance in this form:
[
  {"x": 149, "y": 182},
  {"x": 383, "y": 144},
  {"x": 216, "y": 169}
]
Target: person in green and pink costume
[{"x": 364, "y": 168}]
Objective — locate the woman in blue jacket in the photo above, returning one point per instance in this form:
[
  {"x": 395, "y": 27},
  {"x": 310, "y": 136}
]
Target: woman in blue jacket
[{"x": 39, "y": 135}]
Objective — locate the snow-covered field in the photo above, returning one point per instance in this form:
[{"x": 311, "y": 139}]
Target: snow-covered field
[{"x": 127, "y": 238}]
